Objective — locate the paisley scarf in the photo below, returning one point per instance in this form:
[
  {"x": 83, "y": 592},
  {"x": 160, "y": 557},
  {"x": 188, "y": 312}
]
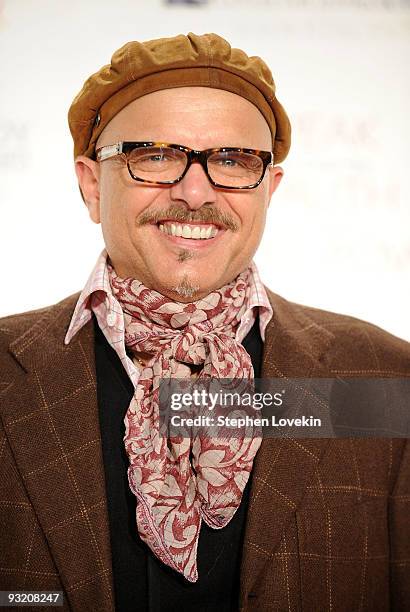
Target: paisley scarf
[{"x": 178, "y": 482}]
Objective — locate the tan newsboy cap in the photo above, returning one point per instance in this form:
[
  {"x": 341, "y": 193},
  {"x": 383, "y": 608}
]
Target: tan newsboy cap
[{"x": 205, "y": 60}]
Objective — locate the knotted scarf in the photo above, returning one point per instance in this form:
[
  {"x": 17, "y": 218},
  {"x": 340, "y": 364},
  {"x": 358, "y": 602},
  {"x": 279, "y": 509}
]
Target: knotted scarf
[{"x": 178, "y": 482}]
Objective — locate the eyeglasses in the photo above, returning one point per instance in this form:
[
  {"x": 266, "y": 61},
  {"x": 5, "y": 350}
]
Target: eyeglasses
[{"x": 162, "y": 163}]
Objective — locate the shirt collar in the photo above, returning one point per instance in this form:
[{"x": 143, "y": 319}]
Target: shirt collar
[{"x": 98, "y": 281}]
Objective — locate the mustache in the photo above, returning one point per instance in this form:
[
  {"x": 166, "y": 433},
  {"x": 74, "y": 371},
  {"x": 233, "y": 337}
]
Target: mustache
[{"x": 179, "y": 214}]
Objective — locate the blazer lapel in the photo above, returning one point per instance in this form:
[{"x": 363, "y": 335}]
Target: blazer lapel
[
  {"x": 51, "y": 419},
  {"x": 295, "y": 346}
]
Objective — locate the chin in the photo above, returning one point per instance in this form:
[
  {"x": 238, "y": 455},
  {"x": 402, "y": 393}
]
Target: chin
[{"x": 185, "y": 288}]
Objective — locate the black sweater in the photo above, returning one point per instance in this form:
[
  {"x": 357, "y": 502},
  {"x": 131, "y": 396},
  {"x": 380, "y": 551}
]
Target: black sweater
[{"x": 141, "y": 581}]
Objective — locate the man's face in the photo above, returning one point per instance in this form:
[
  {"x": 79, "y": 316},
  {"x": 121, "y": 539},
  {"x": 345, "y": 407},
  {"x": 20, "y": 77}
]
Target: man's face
[{"x": 184, "y": 269}]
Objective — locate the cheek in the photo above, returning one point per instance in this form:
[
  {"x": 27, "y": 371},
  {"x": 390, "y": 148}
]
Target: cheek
[
  {"x": 114, "y": 220},
  {"x": 252, "y": 213},
  {"x": 115, "y": 201},
  {"x": 260, "y": 206}
]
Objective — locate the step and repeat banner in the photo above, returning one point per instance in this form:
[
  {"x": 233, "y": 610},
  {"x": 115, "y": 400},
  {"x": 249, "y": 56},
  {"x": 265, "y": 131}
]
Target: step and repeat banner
[{"x": 337, "y": 234}]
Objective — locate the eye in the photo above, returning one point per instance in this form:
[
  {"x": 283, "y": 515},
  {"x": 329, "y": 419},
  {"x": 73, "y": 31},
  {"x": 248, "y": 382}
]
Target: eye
[
  {"x": 234, "y": 161},
  {"x": 228, "y": 162},
  {"x": 155, "y": 157}
]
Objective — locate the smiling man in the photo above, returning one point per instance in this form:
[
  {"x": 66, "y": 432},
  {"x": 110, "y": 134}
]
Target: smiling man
[
  {"x": 185, "y": 237},
  {"x": 177, "y": 143}
]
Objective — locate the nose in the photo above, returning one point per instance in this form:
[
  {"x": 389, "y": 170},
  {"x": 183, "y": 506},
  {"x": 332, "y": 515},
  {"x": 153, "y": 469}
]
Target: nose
[{"x": 194, "y": 189}]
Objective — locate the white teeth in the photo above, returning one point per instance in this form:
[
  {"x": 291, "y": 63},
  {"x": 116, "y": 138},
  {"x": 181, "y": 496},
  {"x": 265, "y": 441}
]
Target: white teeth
[{"x": 194, "y": 233}]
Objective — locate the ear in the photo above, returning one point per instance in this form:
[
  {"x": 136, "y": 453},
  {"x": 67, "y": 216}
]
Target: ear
[
  {"x": 88, "y": 174},
  {"x": 275, "y": 177}
]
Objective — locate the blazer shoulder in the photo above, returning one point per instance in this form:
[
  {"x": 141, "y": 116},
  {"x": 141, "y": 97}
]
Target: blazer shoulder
[
  {"x": 357, "y": 344},
  {"x": 15, "y": 325}
]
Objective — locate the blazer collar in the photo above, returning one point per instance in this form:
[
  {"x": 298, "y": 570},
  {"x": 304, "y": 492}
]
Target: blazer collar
[{"x": 57, "y": 400}]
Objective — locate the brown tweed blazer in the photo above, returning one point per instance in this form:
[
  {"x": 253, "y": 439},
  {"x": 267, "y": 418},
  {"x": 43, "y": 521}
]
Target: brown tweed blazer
[{"x": 328, "y": 527}]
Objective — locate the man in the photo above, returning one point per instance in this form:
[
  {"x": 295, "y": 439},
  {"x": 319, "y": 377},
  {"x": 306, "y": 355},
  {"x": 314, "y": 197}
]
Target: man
[{"x": 177, "y": 143}]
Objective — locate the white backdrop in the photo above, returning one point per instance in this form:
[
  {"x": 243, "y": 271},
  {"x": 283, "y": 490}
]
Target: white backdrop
[{"x": 338, "y": 227}]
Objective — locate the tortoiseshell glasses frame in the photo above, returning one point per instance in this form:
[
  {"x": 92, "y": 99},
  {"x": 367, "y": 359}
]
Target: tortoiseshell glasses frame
[{"x": 221, "y": 154}]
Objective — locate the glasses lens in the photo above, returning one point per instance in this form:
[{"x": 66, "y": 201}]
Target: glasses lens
[
  {"x": 157, "y": 164},
  {"x": 235, "y": 168}
]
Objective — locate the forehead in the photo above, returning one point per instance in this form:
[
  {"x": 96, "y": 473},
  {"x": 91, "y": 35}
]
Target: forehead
[{"x": 198, "y": 117}]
